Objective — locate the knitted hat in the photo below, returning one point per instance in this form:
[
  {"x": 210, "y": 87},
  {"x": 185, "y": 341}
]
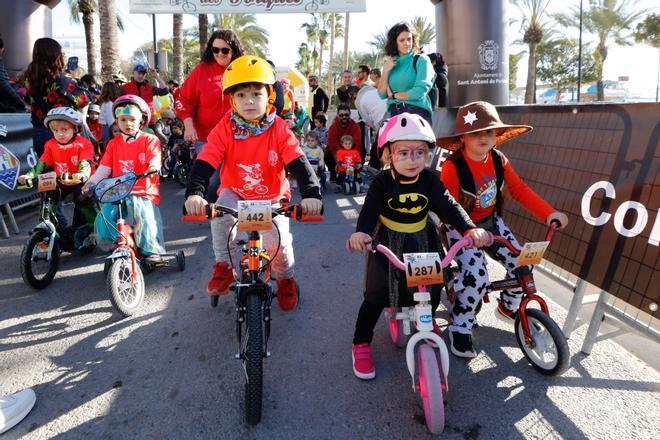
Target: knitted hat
[{"x": 479, "y": 116}]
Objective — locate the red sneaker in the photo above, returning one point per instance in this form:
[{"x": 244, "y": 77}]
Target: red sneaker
[
  {"x": 363, "y": 362},
  {"x": 287, "y": 294},
  {"x": 222, "y": 277}
]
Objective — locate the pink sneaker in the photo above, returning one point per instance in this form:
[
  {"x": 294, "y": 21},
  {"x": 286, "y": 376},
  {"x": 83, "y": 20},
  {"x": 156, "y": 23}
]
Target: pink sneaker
[{"x": 363, "y": 362}]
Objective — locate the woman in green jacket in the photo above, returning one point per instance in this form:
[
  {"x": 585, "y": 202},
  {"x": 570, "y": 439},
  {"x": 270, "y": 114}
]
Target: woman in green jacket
[{"x": 407, "y": 75}]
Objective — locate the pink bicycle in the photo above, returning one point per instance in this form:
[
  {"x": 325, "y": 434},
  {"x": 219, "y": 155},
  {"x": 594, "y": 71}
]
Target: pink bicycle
[{"x": 415, "y": 325}]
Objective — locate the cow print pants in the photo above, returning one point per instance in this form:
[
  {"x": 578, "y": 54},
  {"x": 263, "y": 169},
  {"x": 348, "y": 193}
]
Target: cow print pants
[{"x": 471, "y": 283}]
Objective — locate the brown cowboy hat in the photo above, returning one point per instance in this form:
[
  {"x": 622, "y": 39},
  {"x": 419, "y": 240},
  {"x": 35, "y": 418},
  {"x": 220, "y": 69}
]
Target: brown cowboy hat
[{"x": 479, "y": 116}]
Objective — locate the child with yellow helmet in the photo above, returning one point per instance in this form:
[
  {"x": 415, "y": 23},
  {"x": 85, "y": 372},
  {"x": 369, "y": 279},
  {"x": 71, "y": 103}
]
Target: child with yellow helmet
[{"x": 254, "y": 147}]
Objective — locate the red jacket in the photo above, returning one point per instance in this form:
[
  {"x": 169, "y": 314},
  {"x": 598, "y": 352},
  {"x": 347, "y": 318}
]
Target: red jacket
[
  {"x": 145, "y": 91},
  {"x": 201, "y": 98},
  {"x": 336, "y": 131}
]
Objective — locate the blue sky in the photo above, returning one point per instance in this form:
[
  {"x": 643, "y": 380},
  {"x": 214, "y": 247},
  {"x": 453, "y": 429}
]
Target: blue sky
[{"x": 285, "y": 35}]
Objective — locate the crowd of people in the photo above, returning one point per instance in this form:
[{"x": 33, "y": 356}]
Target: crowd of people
[{"x": 251, "y": 132}]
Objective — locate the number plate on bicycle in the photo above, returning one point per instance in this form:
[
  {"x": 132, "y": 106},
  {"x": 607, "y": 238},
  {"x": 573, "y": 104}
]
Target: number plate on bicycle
[
  {"x": 255, "y": 215},
  {"x": 532, "y": 253},
  {"x": 423, "y": 269},
  {"x": 47, "y": 182}
]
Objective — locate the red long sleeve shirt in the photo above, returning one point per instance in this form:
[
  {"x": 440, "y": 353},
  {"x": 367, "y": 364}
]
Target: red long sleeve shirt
[
  {"x": 485, "y": 182},
  {"x": 336, "y": 131},
  {"x": 201, "y": 98}
]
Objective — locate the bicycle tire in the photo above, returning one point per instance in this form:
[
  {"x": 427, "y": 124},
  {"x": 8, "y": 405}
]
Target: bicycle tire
[
  {"x": 182, "y": 174},
  {"x": 395, "y": 329},
  {"x": 126, "y": 300},
  {"x": 430, "y": 389},
  {"x": 27, "y": 255},
  {"x": 253, "y": 361},
  {"x": 538, "y": 322}
]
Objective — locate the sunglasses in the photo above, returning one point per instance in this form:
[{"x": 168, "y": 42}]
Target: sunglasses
[
  {"x": 344, "y": 115},
  {"x": 224, "y": 50}
]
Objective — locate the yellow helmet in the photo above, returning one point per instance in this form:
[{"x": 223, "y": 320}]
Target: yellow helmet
[{"x": 247, "y": 69}]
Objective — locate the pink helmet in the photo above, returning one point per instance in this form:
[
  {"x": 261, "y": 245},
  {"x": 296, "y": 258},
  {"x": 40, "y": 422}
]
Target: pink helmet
[
  {"x": 135, "y": 100},
  {"x": 406, "y": 126}
]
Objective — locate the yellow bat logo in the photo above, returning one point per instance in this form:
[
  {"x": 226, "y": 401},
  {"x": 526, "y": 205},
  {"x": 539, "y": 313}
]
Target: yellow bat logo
[{"x": 410, "y": 203}]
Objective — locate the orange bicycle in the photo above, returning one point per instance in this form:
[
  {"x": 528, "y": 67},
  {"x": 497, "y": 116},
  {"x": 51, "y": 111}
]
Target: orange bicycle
[{"x": 252, "y": 290}]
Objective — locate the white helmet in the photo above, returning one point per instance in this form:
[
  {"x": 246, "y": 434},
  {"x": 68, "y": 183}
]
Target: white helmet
[
  {"x": 406, "y": 127},
  {"x": 94, "y": 108},
  {"x": 64, "y": 114}
]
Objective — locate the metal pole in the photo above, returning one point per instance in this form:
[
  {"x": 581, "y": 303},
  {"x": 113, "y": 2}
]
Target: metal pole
[
  {"x": 576, "y": 303},
  {"x": 579, "y": 82},
  {"x": 153, "y": 16},
  {"x": 657, "y": 81},
  {"x": 596, "y": 320}
]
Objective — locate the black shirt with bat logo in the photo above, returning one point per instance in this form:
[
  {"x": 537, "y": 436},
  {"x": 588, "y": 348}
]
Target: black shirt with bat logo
[{"x": 404, "y": 206}]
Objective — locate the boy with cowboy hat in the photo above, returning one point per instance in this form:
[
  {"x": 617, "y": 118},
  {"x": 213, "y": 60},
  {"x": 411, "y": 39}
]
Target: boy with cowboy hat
[{"x": 476, "y": 175}]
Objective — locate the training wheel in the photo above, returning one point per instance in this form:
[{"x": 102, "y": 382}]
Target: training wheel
[{"x": 181, "y": 260}]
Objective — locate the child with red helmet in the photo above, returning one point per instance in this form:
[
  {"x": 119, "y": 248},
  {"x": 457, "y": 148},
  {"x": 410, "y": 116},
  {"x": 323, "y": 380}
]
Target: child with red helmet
[
  {"x": 138, "y": 152},
  {"x": 476, "y": 174},
  {"x": 254, "y": 147},
  {"x": 389, "y": 215},
  {"x": 67, "y": 153}
]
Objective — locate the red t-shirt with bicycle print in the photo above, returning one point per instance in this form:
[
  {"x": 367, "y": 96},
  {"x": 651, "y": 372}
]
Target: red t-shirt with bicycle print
[
  {"x": 136, "y": 157},
  {"x": 67, "y": 158},
  {"x": 254, "y": 167}
]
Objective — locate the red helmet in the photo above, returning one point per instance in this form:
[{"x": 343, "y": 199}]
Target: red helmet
[{"x": 135, "y": 100}]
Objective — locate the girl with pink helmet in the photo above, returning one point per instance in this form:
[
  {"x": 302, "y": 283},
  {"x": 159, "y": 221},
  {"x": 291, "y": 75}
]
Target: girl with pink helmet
[{"x": 395, "y": 212}]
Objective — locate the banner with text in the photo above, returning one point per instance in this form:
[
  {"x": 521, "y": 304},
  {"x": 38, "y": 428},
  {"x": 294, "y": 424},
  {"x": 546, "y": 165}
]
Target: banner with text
[
  {"x": 244, "y": 6},
  {"x": 16, "y": 154},
  {"x": 599, "y": 164}
]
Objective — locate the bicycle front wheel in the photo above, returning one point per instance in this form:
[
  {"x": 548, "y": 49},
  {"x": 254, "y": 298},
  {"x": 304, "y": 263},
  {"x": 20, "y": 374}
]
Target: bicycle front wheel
[
  {"x": 125, "y": 295},
  {"x": 36, "y": 270},
  {"x": 253, "y": 358},
  {"x": 430, "y": 388},
  {"x": 549, "y": 352}
]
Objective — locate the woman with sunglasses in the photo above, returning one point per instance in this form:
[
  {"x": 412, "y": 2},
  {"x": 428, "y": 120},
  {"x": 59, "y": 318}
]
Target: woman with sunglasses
[{"x": 200, "y": 102}]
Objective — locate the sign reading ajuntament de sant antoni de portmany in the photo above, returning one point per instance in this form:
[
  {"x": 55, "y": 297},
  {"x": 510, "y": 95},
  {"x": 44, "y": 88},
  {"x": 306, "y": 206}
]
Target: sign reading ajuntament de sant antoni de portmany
[{"x": 244, "y": 6}]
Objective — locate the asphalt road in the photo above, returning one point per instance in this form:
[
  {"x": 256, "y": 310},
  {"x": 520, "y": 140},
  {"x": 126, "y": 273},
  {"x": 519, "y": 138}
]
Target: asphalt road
[{"x": 170, "y": 372}]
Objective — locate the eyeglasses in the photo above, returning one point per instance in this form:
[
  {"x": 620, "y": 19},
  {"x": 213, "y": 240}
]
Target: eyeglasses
[
  {"x": 408, "y": 154},
  {"x": 224, "y": 50},
  {"x": 343, "y": 115}
]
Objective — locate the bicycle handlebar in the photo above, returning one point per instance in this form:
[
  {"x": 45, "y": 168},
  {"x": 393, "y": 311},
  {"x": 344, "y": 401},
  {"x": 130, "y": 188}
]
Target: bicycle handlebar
[
  {"x": 374, "y": 246},
  {"x": 552, "y": 227},
  {"x": 65, "y": 179},
  {"x": 214, "y": 211}
]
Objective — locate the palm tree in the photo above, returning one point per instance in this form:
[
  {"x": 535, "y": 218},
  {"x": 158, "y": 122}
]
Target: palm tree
[
  {"x": 307, "y": 59},
  {"x": 86, "y": 8},
  {"x": 346, "y": 27},
  {"x": 203, "y": 21},
  {"x": 611, "y": 21},
  {"x": 254, "y": 38},
  {"x": 336, "y": 31},
  {"x": 177, "y": 47},
  {"x": 425, "y": 31},
  {"x": 109, "y": 43},
  {"x": 534, "y": 26},
  {"x": 312, "y": 32},
  {"x": 379, "y": 41}
]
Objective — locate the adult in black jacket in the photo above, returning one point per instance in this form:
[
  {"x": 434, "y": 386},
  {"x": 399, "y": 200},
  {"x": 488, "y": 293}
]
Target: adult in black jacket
[
  {"x": 441, "y": 82},
  {"x": 318, "y": 98},
  {"x": 10, "y": 101}
]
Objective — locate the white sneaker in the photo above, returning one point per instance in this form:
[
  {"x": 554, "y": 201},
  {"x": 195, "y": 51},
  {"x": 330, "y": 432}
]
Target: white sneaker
[{"x": 14, "y": 408}]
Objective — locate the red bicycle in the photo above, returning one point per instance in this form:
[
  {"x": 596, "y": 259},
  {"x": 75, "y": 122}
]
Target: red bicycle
[{"x": 537, "y": 334}]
